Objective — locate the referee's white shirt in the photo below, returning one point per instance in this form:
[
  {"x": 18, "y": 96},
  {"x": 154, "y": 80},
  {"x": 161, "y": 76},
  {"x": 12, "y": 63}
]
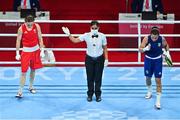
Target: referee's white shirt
[{"x": 94, "y": 45}]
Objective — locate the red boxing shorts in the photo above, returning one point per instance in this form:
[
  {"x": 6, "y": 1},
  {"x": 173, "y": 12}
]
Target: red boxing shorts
[{"x": 30, "y": 59}]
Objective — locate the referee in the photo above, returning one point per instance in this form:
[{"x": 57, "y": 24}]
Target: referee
[{"x": 96, "y": 58}]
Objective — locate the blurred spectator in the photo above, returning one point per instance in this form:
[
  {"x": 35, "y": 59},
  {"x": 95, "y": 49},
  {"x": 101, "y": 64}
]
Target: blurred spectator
[
  {"x": 139, "y": 6},
  {"x": 26, "y": 4}
]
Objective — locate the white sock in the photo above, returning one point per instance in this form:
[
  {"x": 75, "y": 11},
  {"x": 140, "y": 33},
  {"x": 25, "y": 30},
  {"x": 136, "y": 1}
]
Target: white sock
[
  {"x": 31, "y": 83},
  {"x": 30, "y": 86},
  {"x": 149, "y": 89},
  {"x": 20, "y": 89},
  {"x": 158, "y": 98}
]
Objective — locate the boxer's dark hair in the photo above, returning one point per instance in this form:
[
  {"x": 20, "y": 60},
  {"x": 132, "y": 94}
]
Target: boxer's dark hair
[
  {"x": 29, "y": 18},
  {"x": 155, "y": 30}
]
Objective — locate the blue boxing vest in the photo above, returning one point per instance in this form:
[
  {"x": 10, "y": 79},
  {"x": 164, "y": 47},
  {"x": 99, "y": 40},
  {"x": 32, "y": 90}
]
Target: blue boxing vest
[{"x": 156, "y": 47}]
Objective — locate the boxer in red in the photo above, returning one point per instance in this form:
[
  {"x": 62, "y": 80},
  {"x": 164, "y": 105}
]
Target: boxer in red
[{"x": 30, "y": 35}]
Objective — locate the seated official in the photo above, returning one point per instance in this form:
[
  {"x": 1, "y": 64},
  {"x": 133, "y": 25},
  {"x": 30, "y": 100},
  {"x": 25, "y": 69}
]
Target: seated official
[
  {"x": 139, "y": 6},
  {"x": 26, "y": 4}
]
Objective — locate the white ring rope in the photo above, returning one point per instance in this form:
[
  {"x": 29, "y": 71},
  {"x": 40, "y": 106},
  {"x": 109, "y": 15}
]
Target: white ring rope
[
  {"x": 107, "y": 35},
  {"x": 84, "y": 49},
  {"x": 82, "y": 63},
  {"x": 100, "y": 21},
  {"x": 74, "y": 63},
  {"x": 139, "y": 35},
  {"x": 75, "y": 49}
]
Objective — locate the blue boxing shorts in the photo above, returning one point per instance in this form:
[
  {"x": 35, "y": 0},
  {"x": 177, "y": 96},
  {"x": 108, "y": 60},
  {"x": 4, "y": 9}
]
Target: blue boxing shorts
[{"x": 153, "y": 66}]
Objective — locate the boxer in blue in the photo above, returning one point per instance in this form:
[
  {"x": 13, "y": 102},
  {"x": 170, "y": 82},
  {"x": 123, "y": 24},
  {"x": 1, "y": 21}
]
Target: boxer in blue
[{"x": 152, "y": 46}]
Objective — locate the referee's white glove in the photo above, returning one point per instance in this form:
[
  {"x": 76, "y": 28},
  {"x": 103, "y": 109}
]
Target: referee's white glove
[
  {"x": 106, "y": 63},
  {"x": 147, "y": 48},
  {"x": 18, "y": 57},
  {"x": 66, "y": 31}
]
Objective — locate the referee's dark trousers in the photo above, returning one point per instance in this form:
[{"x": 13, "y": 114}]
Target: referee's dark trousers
[{"x": 94, "y": 71}]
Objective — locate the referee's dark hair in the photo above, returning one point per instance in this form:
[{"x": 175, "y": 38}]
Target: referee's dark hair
[
  {"x": 94, "y": 22},
  {"x": 155, "y": 30}
]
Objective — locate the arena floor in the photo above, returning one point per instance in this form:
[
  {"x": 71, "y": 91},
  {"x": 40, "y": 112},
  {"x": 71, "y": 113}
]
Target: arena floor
[{"x": 61, "y": 95}]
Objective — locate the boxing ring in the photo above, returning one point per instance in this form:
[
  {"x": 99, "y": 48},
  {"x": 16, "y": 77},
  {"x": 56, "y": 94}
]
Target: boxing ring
[{"x": 61, "y": 91}]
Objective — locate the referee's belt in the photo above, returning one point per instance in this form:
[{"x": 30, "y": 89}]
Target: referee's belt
[{"x": 94, "y": 58}]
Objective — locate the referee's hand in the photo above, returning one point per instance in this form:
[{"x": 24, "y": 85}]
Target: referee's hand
[{"x": 66, "y": 31}]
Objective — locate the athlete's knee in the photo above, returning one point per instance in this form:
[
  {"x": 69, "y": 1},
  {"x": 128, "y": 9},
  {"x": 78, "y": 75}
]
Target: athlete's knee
[
  {"x": 23, "y": 74},
  {"x": 32, "y": 71}
]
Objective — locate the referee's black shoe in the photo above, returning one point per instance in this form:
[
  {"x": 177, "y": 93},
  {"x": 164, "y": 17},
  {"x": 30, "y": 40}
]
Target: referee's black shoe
[
  {"x": 98, "y": 99},
  {"x": 89, "y": 98}
]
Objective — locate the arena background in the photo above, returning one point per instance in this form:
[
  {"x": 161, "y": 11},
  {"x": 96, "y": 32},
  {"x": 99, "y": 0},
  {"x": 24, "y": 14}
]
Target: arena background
[{"x": 88, "y": 10}]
